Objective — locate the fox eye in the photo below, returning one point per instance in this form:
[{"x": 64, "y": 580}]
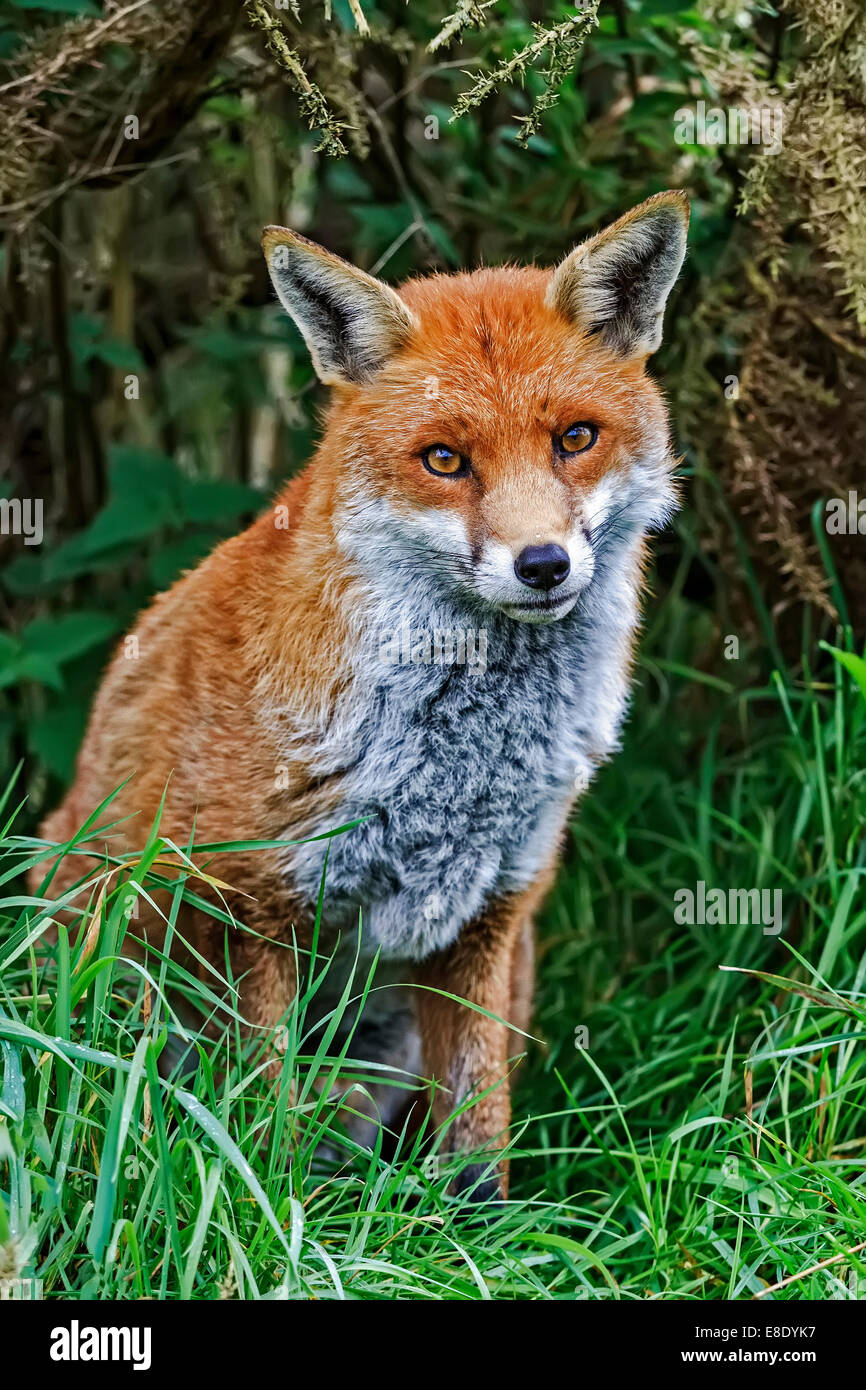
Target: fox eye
[
  {"x": 444, "y": 461},
  {"x": 578, "y": 438}
]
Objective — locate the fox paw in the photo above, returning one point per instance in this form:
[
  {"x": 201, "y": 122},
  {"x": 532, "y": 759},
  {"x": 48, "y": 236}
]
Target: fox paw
[{"x": 479, "y": 1186}]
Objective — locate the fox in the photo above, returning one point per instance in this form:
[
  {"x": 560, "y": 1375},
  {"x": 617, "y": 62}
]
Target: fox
[{"x": 493, "y": 459}]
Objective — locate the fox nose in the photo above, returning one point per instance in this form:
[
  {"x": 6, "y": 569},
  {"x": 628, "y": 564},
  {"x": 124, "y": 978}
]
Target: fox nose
[{"x": 542, "y": 566}]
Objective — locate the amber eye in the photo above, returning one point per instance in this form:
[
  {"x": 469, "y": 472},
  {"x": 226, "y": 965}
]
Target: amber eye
[
  {"x": 440, "y": 459},
  {"x": 577, "y": 438}
]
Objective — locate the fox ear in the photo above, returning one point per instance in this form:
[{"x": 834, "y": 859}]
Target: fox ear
[
  {"x": 350, "y": 322},
  {"x": 617, "y": 283}
]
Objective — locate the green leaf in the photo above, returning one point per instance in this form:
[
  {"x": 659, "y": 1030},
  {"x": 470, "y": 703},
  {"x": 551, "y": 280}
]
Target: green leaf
[
  {"x": 574, "y": 1247},
  {"x": 63, "y": 638},
  {"x": 75, "y": 7},
  {"x": 229, "y": 344},
  {"x": 651, "y": 8},
  {"x": 120, "y": 1116},
  {"x": 145, "y": 494},
  {"x": 12, "y": 1095},
  {"x": 116, "y": 353},
  {"x": 230, "y": 108},
  {"x": 26, "y": 575},
  {"x": 170, "y": 561},
  {"x": 213, "y": 499},
  {"x": 854, "y": 665},
  {"x": 29, "y": 666},
  {"x": 653, "y": 107},
  {"x": 55, "y": 735}
]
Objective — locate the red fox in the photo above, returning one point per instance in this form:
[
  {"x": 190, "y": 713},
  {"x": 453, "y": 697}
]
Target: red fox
[{"x": 430, "y": 635}]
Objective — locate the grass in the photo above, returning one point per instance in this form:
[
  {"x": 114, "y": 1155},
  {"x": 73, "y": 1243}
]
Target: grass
[{"x": 688, "y": 1123}]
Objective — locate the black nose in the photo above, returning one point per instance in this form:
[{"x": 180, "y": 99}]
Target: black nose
[{"x": 542, "y": 566}]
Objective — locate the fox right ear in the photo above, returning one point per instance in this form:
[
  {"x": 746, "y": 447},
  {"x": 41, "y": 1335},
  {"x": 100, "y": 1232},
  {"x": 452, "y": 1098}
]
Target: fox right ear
[
  {"x": 351, "y": 322},
  {"x": 617, "y": 283}
]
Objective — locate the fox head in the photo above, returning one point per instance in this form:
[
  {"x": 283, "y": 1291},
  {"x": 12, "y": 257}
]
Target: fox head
[{"x": 494, "y": 429}]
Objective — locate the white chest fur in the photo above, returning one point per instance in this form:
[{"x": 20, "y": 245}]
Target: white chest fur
[{"x": 464, "y": 769}]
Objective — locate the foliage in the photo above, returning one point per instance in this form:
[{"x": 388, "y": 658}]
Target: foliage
[{"x": 796, "y": 430}]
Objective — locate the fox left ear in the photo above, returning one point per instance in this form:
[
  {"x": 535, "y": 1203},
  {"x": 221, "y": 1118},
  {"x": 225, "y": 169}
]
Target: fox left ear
[
  {"x": 617, "y": 283},
  {"x": 350, "y": 322}
]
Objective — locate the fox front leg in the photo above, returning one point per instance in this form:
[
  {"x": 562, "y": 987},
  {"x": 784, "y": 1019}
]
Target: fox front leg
[{"x": 466, "y": 1051}]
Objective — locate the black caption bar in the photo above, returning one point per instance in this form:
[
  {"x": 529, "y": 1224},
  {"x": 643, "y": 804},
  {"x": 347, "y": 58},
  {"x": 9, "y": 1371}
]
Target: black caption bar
[{"x": 145, "y": 1338}]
